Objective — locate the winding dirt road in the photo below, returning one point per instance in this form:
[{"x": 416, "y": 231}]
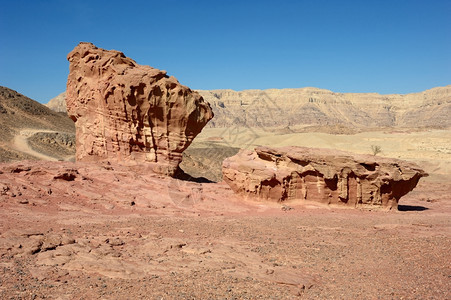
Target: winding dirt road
[{"x": 20, "y": 143}]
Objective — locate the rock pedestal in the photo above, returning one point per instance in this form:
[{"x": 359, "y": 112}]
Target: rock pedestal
[
  {"x": 324, "y": 176},
  {"x": 130, "y": 113}
]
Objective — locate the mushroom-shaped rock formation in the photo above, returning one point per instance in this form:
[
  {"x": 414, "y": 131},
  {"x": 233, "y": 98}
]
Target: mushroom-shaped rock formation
[
  {"x": 320, "y": 175},
  {"x": 129, "y": 113}
]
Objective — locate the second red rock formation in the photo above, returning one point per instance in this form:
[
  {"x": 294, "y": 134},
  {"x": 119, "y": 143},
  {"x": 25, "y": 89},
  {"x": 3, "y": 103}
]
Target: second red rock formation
[{"x": 324, "y": 176}]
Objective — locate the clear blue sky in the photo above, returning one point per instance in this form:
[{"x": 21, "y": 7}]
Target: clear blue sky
[{"x": 395, "y": 46}]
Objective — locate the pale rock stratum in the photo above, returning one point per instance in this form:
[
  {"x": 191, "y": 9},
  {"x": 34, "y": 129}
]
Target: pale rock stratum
[
  {"x": 323, "y": 176},
  {"x": 130, "y": 113}
]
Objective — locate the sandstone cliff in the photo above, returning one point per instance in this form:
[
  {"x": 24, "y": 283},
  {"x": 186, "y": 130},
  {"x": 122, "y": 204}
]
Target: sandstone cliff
[{"x": 130, "y": 113}]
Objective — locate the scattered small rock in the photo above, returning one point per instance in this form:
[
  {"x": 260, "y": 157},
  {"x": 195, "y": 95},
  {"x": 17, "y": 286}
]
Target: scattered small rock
[
  {"x": 115, "y": 241},
  {"x": 287, "y": 208},
  {"x": 68, "y": 176}
]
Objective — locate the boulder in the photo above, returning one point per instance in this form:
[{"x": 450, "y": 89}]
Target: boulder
[
  {"x": 129, "y": 113},
  {"x": 324, "y": 176}
]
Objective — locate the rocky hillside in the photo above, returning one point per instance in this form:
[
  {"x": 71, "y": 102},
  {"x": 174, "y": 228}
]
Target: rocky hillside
[
  {"x": 22, "y": 117},
  {"x": 318, "y": 107}
]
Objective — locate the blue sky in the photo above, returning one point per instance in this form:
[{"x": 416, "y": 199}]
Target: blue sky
[{"x": 345, "y": 46}]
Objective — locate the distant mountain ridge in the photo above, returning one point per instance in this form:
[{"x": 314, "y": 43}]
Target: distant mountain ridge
[
  {"x": 58, "y": 103},
  {"x": 319, "y": 107},
  {"x": 313, "y": 106}
]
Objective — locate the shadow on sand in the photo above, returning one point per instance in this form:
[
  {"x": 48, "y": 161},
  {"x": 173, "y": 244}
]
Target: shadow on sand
[
  {"x": 411, "y": 208},
  {"x": 181, "y": 175}
]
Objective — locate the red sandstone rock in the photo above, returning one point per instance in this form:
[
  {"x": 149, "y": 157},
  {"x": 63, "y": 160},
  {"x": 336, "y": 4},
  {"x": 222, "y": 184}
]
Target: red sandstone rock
[
  {"x": 130, "y": 113},
  {"x": 320, "y": 175}
]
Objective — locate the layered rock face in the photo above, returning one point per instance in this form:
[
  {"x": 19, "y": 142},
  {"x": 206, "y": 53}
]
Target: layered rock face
[
  {"x": 320, "y": 175},
  {"x": 130, "y": 113}
]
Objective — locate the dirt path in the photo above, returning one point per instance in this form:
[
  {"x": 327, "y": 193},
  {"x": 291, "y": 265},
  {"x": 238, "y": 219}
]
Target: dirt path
[{"x": 20, "y": 143}]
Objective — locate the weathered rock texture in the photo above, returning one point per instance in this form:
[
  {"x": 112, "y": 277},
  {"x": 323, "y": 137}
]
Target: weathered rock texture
[
  {"x": 320, "y": 175},
  {"x": 130, "y": 113}
]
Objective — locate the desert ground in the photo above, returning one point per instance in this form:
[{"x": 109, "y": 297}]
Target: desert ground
[{"x": 107, "y": 232}]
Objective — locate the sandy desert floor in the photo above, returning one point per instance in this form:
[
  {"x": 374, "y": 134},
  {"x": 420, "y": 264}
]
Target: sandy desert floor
[{"x": 77, "y": 231}]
